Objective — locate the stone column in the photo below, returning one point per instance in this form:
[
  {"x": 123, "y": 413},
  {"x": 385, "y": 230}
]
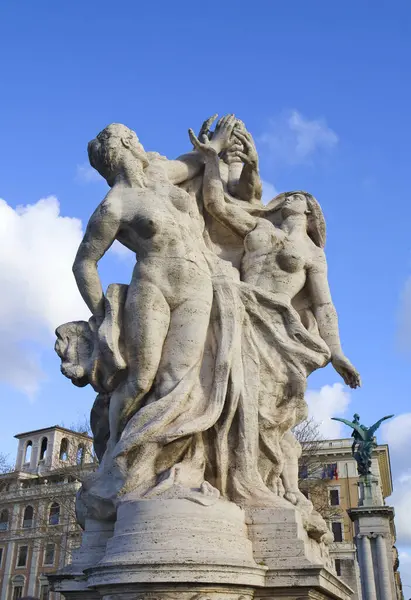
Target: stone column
[
  {"x": 383, "y": 568},
  {"x": 11, "y": 546},
  {"x": 367, "y": 575}
]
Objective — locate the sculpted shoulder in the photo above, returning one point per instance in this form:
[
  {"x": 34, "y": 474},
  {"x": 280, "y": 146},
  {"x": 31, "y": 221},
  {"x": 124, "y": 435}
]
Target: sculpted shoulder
[{"x": 112, "y": 205}]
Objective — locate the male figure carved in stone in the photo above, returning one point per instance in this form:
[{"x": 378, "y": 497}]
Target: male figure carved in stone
[{"x": 168, "y": 303}]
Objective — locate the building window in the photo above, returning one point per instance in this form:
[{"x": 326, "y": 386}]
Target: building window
[
  {"x": 54, "y": 514},
  {"x": 330, "y": 471},
  {"x": 338, "y": 566},
  {"x": 64, "y": 449},
  {"x": 22, "y": 556},
  {"x": 337, "y": 531},
  {"x": 44, "y": 592},
  {"x": 27, "y": 452},
  {"x": 1, "y": 556},
  {"x": 49, "y": 555},
  {"x": 43, "y": 449},
  {"x": 4, "y": 520},
  {"x": 303, "y": 472},
  {"x": 334, "y": 497},
  {"x": 28, "y": 517},
  {"x": 17, "y": 592},
  {"x": 80, "y": 455}
]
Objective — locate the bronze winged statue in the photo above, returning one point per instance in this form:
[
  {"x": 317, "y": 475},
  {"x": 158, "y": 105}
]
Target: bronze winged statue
[{"x": 364, "y": 442}]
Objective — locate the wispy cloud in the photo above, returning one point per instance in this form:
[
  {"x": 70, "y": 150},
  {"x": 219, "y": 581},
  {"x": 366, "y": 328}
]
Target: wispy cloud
[
  {"x": 292, "y": 139},
  {"x": 37, "y": 248},
  {"x": 269, "y": 191},
  {"x": 396, "y": 433},
  {"x": 86, "y": 174},
  {"x": 121, "y": 251},
  {"x": 329, "y": 401}
]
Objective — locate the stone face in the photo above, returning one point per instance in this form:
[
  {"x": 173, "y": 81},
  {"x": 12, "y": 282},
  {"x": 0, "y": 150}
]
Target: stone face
[{"x": 200, "y": 363}]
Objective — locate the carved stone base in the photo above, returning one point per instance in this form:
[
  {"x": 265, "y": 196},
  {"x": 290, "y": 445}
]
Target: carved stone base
[
  {"x": 178, "y": 540},
  {"x": 71, "y": 580},
  {"x": 280, "y": 540},
  {"x": 178, "y": 592},
  {"x": 294, "y": 561},
  {"x": 176, "y": 549}
]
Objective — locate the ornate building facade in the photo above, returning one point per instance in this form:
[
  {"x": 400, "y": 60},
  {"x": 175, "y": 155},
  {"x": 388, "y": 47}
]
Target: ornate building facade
[
  {"x": 337, "y": 470},
  {"x": 38, "y": 530}
]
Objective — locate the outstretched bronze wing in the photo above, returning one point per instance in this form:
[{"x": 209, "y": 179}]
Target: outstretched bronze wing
[
  {"x": 374, "y": 427},
  {"x": 352, "y": 425}
]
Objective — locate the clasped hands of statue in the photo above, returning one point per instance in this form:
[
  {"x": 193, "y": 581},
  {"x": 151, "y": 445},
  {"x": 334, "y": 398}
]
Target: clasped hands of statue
[
  {"x": 230, "y": 139},
  {"x": 233, "y": 143}
]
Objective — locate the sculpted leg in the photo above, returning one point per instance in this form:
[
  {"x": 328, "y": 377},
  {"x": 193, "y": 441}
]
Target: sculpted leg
[
  {"x": 291, "y": 449},
  {"x": 184, "y": 345},
  {"x": 147, "y": 318}
]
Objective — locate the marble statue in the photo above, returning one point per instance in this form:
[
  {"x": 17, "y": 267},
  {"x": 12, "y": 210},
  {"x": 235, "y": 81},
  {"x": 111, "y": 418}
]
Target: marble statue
[
  {"x": 364, "y": 442},
  {"x": 200, "y": 363}
]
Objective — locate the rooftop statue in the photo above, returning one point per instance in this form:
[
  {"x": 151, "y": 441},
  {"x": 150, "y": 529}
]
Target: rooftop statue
[{"x": 364, "y": 442}]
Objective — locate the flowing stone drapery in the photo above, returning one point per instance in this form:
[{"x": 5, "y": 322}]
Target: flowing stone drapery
[{"x": 217, "y": 420}]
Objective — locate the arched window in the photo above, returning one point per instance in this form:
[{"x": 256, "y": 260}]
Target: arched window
[
  {"x": 4, "y": 520},
  {"x": 28, "y": 517},
  {"x": 64, "y": 446},
  {"x": 80, "y": 455},
  {"x": 27, "y": 452},
  {"x": 43, "y": 449},
  {"x": 54, "y": 514}
]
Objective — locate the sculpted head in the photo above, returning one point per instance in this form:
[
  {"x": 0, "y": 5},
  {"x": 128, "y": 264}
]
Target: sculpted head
[
  {"x": 112, "y": 148},
  {"x": 302, "y": 203}
]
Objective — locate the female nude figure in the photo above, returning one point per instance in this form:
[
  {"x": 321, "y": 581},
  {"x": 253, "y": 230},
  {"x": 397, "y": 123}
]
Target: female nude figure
[
  {"x": 282, "y": 267},
  {"x": 168, "y": 303}
]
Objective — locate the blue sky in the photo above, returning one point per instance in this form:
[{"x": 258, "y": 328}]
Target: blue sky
[{"x": 324, "y": 87}]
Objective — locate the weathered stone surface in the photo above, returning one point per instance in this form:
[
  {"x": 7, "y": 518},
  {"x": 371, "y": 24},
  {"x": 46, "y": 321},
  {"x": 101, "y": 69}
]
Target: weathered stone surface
[{"x": 200, "y": 364}]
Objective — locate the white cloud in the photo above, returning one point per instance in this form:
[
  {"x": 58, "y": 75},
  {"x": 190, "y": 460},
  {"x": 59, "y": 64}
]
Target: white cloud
[
  {"x": 396, "y": 433},
  {"x": 38, "y": 291},
  {"x": 329, "y": 401},
  {"x": 401, "y": 501},
  {"x": 293, "y": 139},
  {"x": 121, "y": 251},
  {"x": 269, "y": 192},
  {"x": 405, "y": 570},
  {"x": 86, "y": 174}
]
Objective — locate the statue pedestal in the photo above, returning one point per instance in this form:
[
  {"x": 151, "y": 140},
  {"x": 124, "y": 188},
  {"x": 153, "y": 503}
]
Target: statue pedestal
[
  {"x": 374, "y": 543},
  {"x": 179, "y": 550},
  {"x": 296, "y": 564}
]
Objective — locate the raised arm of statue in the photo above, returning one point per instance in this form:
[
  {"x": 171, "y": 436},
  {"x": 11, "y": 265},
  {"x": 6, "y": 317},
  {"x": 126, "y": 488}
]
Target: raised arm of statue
[
  {"x": 248, "y": 187},
  {"x": 188, "y": 165},
  {"x": 100, "y": 234},
  {"x": 327, "y": 319},
  {"x": 233, "y": 217}
]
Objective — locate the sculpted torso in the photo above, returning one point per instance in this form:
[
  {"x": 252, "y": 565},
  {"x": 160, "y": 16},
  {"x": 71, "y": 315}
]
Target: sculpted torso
[
  {"x": 276, "y": 261},
  {"x": 155, "y": 223}
]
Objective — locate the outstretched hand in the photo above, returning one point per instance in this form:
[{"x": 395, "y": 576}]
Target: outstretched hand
[
  {"x": 205, "y": 132},
  {"x": 347, "y": 371},
  {"x": 205, "y": 147},
  {"x": 221, "y": 139},
  {"x": 243, "y": 149}
]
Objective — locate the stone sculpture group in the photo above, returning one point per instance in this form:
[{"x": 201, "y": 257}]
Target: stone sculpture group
[{"x": 200, "y": 363}]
